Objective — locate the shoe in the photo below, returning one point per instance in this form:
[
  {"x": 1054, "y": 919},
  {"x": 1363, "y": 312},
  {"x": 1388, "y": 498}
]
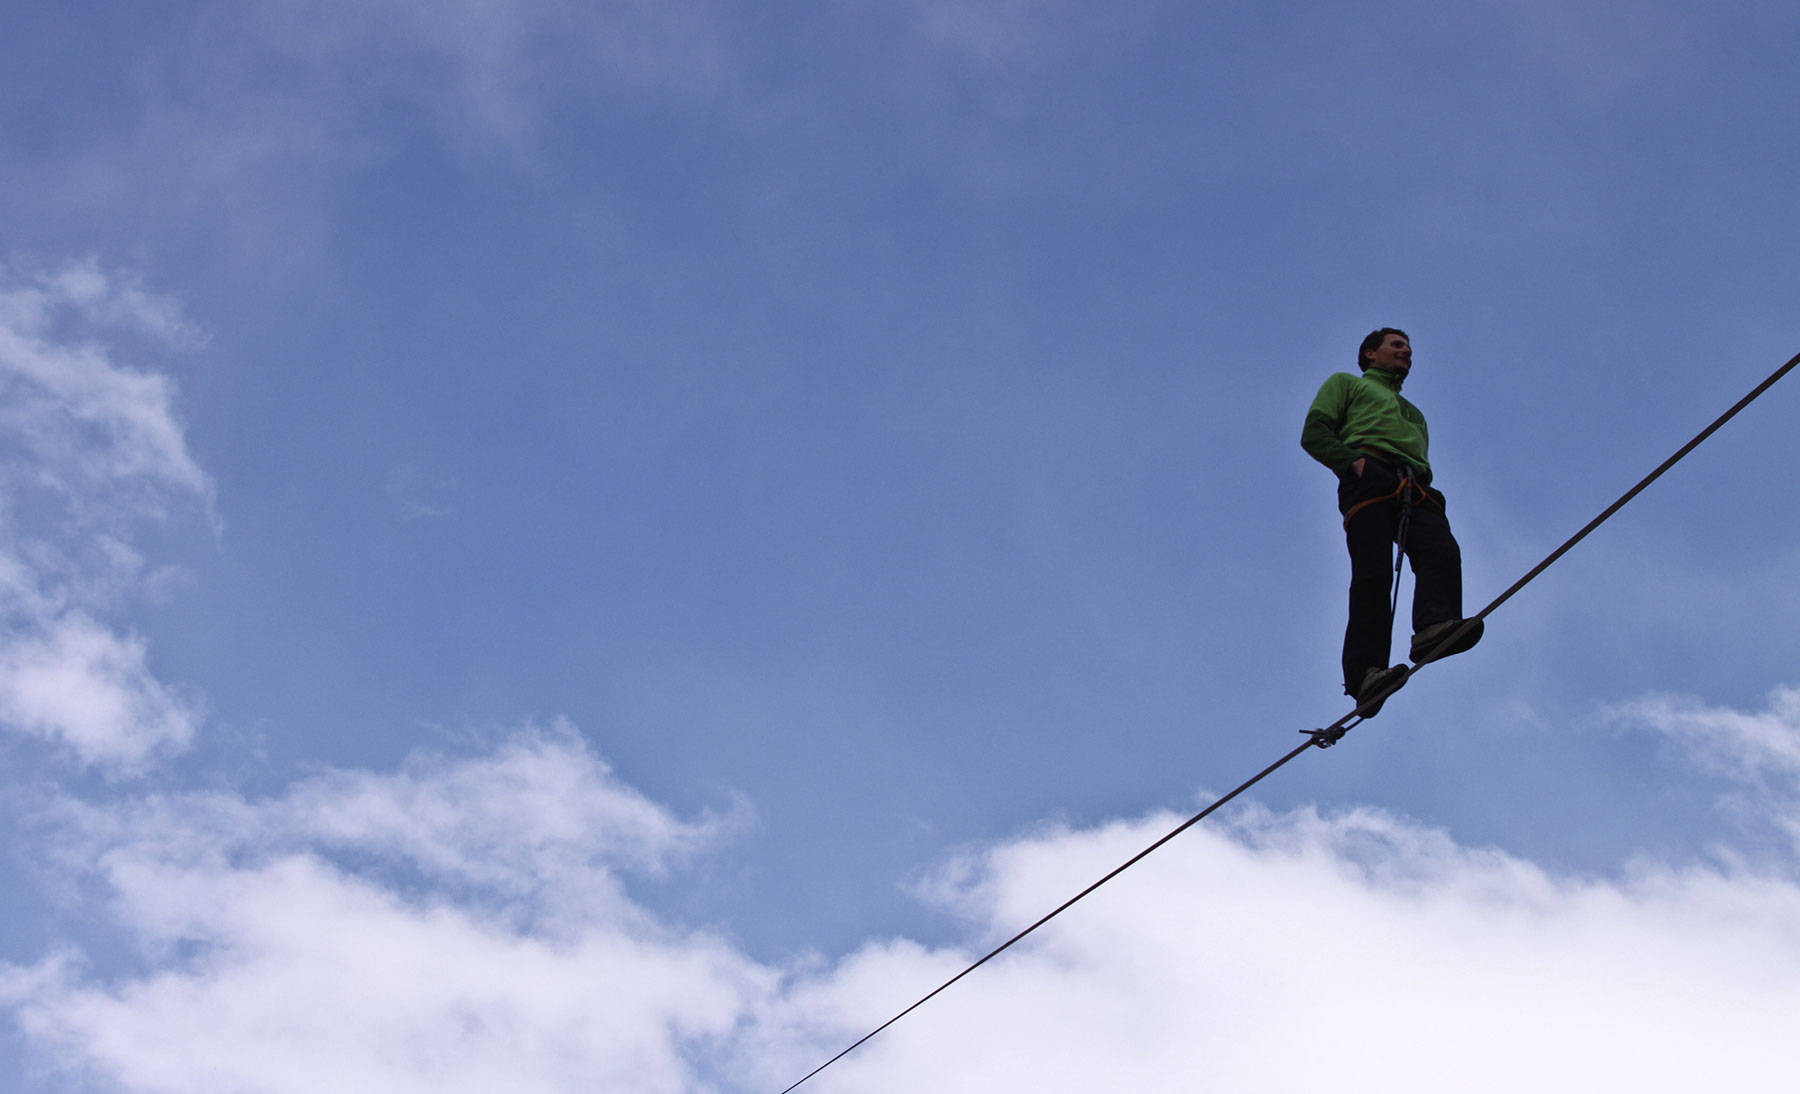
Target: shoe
[
  {"x": 1376, "y": 685},
  {"x": 1427, "y": 644}
]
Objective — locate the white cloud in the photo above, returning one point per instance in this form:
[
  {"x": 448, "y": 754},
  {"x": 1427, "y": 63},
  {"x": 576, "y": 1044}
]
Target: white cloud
[
  {"x": 453, "y": 927},
  {"x": 467, "y": 925},
  {"x": 75, "y": 681},
  {"x": 1355, "y": 952},
  {"x": 89, "y": 449}
]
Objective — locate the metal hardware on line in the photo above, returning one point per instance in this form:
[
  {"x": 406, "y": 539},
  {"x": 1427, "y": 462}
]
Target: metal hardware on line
[{"x": 1325, "y": 738}]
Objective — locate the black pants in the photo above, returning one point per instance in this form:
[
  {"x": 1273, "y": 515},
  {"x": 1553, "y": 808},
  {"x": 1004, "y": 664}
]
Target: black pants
[{"x": 1430, "y": 548}]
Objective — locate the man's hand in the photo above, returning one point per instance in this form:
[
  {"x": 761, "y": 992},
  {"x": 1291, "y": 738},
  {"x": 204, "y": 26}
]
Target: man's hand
[{"x": 1358, "y": 466}]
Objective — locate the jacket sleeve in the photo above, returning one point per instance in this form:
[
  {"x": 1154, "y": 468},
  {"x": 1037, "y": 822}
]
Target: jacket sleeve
[{"x": 1322, "y": 435}]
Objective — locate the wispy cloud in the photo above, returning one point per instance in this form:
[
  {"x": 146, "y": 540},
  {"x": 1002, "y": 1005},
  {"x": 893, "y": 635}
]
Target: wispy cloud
[
  {"x": 89, "y": 449},
  {"x": 238, "y": 128},
  {"x": 483, "y": 71},
  {"x": 419, "y": 494},
  {"x": 1759, "y": 750},
  {"x": 90, "y": 427},
  {"x": 1009, "y": 33}
]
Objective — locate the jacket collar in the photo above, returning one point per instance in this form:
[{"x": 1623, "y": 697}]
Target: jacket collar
[{"x": 1389, "y": 380}]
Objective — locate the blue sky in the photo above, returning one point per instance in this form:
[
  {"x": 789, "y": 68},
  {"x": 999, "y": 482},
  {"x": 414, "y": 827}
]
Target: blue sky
[{"x": 618, "y": 544}]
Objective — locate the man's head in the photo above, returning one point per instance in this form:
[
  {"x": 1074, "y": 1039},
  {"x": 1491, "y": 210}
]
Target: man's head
[{"x": 1387, "y": 349}]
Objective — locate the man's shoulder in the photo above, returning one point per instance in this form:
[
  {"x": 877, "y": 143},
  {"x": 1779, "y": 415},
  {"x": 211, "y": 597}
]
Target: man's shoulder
[{"x": 1340, "y": 381}]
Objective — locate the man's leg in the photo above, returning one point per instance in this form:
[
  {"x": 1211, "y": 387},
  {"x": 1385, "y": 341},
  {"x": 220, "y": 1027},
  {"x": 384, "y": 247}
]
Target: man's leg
[
  {"x": 1369, "y": 634},
  {"x": 1437, "y": 586},
  {"x": 1436, "y": 565}
]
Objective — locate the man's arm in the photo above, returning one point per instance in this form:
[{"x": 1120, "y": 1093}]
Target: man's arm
[{"x": 1320, "y": 435}]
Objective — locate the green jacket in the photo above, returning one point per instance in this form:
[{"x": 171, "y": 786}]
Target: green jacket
[{"x": 1366, "y": 411}]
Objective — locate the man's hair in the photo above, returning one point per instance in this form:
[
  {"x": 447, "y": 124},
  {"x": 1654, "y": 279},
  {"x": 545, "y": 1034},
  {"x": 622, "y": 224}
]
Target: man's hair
[{"x": 1373, "y": 342}]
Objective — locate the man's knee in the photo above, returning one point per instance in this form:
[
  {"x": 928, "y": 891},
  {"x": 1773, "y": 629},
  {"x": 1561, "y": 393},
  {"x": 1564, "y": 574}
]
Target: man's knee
[{"x": 1431, "y": 541}]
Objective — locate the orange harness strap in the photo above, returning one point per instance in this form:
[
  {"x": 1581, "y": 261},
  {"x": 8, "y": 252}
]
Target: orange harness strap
[{"x": 1405, "y": 481}]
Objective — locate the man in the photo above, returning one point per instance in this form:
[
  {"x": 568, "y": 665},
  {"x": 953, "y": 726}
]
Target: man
[{"x": 1376, "y": 442}]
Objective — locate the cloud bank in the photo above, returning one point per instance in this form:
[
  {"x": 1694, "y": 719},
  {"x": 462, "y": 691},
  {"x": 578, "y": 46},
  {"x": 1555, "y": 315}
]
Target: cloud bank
[
  {"x": 468, "y": 925},
  {"x": 457, "y": 926}
]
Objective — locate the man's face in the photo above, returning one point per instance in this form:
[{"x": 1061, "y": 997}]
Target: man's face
[{"x": 1393, "y": 355}]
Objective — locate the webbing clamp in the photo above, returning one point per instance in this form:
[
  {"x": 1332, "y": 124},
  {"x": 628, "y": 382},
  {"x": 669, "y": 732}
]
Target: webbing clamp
[{"x": 1328, "y": 736}]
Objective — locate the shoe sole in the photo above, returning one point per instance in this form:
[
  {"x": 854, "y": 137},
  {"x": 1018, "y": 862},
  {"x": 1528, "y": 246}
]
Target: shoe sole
[
  {"x": 1383, "y": 689},
  {"x": 1437, "y": 651}
]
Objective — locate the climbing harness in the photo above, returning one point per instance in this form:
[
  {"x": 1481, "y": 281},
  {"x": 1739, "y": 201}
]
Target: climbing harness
[{"x": 1402, "y": 492}]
